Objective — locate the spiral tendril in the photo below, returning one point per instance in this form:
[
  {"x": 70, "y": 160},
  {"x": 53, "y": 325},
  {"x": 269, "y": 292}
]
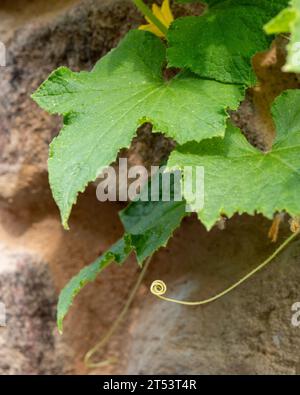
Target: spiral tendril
[{"x": 158, "y": 288}]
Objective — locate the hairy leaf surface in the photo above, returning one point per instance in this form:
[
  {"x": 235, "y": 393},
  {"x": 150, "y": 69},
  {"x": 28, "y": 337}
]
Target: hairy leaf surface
[{"x": 221, "y": 43}]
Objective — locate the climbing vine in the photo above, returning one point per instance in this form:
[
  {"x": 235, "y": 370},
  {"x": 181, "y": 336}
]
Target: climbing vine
[{"x": 102, "y": 110}]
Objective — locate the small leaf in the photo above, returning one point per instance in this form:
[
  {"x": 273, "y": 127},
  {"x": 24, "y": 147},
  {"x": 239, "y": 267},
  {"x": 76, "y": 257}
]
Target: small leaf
[
  {"x": 148, "y": 226},
  {"x": 151, "y": 223},
  {"x": 282, "y": 22},
  {"x": 288, "y": 21},
  {"x": 118, "y": 253}
]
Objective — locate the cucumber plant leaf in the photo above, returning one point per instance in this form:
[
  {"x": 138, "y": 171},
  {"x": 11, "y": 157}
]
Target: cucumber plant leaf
[
  {"x": 118, "y": 253},
  {"x": 148, "y": 226},
  {"x": 221, "y": 43},
  {"x": 241, "y": 179},
  {"x": 151, "y": 223},
  {"x": 288, "y": 21},
  {"x": 103, "y": 108}
]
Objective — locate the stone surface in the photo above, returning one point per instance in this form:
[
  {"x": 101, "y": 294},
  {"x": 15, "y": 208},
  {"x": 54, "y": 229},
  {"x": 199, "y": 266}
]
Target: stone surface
[
  {"x": 94, "y": 228},
  {"x": 29, "y": 343},
  {"x": 249, "y": 331}
]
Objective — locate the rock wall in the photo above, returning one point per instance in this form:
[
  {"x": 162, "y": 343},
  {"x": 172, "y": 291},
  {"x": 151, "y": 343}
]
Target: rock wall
[
  {"x": 27, "y": 343},
  {"x": 249, "y": 331}
]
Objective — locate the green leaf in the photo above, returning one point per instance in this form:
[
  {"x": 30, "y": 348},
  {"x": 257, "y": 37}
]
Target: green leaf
[
  {"x": 151, "y": 223},
  {"x": 288, "y": 21},
  {"x": 241, "y": 179},
  {"x": 118, "y": 253},
  {"x": 148, "y": 226},
  {"x": 103, "y": 108},
  {"x": 220, "y": 43},
  {"x": 282, "y": 22}
]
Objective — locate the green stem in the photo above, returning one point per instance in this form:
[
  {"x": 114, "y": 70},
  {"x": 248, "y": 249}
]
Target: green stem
[{"x": 145, "y": 10}]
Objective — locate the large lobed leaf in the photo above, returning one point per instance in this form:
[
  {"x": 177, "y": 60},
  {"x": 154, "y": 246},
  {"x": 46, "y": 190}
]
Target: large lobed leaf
[
  {"x": 103, "y": 108},
  {"x": 221, "y": 43},
  {"x": 241, "y": 179}
]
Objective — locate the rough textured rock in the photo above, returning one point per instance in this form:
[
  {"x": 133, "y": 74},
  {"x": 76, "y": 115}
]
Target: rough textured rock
[
  {"x": 94, "y": 227},
  {"x": 246, "y": 332},
  {"x": 29, "y": 343}
]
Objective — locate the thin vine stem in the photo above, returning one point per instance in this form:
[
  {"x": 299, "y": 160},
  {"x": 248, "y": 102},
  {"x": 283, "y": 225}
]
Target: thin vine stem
[
  {"x": 159, "y": 288},
  {"x": 104, "y": 340},
  {"x": 145, "y": 10}
]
